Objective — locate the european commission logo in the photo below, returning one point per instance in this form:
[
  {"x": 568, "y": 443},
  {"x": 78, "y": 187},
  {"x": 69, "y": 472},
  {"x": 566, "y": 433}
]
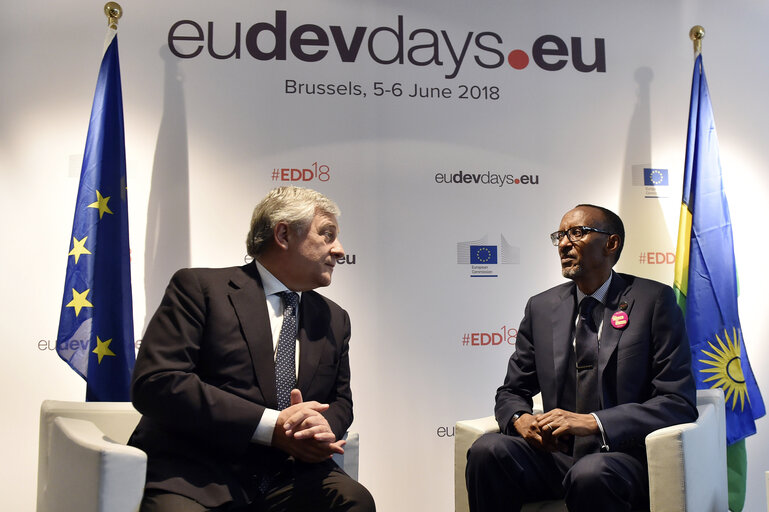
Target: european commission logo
[
  {"x": 484, "y": 257},
  {"x": 654, "y": 181},
  {"x": 483, "y": 254},
  {"x": 655, "y": 177}
]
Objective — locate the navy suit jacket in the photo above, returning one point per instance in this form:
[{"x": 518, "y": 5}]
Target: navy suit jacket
[
  {"x": 205, "y": 373},
  {"x": 644, "y": 367}
]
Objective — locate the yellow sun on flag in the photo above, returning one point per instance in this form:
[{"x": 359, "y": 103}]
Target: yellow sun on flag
[{"x": 727, "y": 370}]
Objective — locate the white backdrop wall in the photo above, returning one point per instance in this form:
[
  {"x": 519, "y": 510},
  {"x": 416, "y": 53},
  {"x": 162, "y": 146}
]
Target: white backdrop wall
[{"x": 204, "y": 136}]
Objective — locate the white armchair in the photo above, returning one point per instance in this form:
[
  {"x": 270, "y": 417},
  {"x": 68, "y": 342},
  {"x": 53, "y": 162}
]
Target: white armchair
[
  {"x": 687, "y": 462},
  {"x": 84, "y": 464}
]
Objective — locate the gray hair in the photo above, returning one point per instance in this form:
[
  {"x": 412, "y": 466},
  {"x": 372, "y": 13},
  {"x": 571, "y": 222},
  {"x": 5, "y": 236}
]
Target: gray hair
[{"x": 295, "y": 206}]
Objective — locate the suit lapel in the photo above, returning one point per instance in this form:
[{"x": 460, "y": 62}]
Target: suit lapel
[
  {"x": 618, "y": 291},
  {"x": 564, "y": 314},
  {"x": 313, "y": 321},
  {"x": 250, "y": 304}
]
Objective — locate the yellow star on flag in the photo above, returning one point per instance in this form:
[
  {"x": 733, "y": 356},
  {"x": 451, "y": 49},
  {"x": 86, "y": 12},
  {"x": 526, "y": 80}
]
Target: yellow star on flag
[
  {"x": 101, "y": 204},
  {"x": 102, "y": 348},
  {"x": 78, "y": 248},
  {"x": 79, "y": 301}
]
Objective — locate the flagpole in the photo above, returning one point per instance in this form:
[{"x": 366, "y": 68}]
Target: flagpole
[
  {"x": 113, "y": 12},
  {"x": 696, "y": 34}
]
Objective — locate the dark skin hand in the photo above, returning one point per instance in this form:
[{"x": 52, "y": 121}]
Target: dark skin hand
[{"x": 551, "y": 431}]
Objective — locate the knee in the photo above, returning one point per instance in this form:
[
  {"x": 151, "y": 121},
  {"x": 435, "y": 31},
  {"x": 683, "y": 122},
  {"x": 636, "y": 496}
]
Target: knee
[
  {"x": 594, "y": 476},
  {"x": 359, "y": 499},
  {"x": 588, "y": 475},
  {"x": 486, "y": 449},
  {"x": 494, "y": 454}
]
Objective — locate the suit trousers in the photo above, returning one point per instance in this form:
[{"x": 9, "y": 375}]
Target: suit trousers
[
  {"x": 302, "y": 488},
  {"x": 504, "y": 472}
]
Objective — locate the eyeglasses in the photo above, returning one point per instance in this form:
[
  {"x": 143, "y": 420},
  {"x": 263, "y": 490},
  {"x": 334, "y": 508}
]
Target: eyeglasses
[{"x": 575, "y": 233}]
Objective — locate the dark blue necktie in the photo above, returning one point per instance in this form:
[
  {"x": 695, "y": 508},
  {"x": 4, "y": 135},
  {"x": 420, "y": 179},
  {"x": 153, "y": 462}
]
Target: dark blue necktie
[
  {"x": 285, "y": 356},
  {"x": 586, "y": 346},
  {"x": 587, "y": 357}
]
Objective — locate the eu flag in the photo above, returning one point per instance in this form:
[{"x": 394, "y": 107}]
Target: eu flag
[
  {"x": 706, "y": 285},
  {"x": 483, "y": 254},
  {"x": 655, "y": 177},
  {"x": 96, "y": 325}
]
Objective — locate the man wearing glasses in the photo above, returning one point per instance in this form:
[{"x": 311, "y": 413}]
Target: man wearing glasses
[{"x": 609, "y": 354}]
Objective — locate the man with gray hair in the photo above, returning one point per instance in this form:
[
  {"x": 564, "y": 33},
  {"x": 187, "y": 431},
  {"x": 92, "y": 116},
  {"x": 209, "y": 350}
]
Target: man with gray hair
[{"x": 243, "y": 375}]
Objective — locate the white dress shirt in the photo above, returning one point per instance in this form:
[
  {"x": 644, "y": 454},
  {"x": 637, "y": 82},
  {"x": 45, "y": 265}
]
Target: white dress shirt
[{"x": 272, "y": 288}]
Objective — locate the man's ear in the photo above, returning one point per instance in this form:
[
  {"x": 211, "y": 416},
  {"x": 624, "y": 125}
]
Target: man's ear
[
  {"x": 281, "y": 235},
  {"x": 612, "y": 244}
]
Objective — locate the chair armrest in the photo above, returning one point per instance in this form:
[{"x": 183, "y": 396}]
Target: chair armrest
[
  {"x": 687, "y": 464},
  {"x": 116, "y": 419},
  {"x": 766, "y": 475},
  {"x": 348, "y": 461},
  {"x": 465, "y": 434},
  {"x": 88, "y": 472}
]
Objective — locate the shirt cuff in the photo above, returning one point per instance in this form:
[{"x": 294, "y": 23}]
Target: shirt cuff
[
  {"x": 605, "y": 445},
  {"x": 265, "y": 428}
]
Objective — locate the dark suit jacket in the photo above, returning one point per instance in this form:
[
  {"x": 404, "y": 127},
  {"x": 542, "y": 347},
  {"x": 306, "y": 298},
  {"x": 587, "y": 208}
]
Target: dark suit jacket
[
  {"x": 644, "y": 368},
  {"x": 205, "y": 373}
]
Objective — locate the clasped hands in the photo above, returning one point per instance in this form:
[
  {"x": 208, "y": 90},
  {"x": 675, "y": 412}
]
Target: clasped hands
[
  {"x": 303, "y": 432},
  {"x": 552, "y": 431}
]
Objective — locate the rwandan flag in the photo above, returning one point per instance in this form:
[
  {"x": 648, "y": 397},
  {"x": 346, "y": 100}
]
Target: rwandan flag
[
  {"x": 706, "y": 287},
  {"x": 96, "y": 325}
]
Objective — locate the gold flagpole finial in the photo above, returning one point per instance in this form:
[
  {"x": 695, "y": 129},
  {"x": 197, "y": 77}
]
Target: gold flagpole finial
[
  {"x": 113, "y": 11},
  {"x": 696, "y": 34}
]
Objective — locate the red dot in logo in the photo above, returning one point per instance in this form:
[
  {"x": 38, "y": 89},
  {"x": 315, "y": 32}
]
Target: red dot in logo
[
  {"x": 518, "y": 59},
  {"x": 517, "y": 181}
]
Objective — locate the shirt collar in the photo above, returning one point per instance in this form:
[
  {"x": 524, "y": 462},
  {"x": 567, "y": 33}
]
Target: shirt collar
[
  {"x": 270, "y": 283},
  {"x": 599, "y": 294}
]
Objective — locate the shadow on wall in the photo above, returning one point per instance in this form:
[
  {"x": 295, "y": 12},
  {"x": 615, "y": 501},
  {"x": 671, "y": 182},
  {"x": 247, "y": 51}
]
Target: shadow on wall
[
  {"x": 167, "y": 244},
  {"x": 640, "y": 207}
]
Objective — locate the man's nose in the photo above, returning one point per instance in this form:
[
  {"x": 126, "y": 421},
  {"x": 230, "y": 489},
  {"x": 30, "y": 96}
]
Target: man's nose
[{"x": 337, "y": 250}]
